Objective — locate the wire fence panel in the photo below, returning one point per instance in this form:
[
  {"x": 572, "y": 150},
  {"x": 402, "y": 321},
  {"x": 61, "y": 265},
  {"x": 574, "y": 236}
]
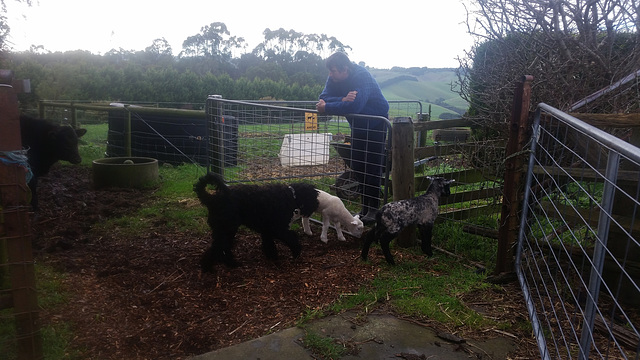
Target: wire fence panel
[
  {"x": 246, "y": 141},
  {"x": 578, "y": 252},
  {"x": 280, "y": 141},
  {"x": 170, "y": 137}
]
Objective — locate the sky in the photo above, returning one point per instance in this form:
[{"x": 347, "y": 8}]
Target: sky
[{"x": 405, "y": 33}]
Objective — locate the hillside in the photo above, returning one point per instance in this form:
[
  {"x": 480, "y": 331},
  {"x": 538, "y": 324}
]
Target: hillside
[{"x": 430, "y": 86}]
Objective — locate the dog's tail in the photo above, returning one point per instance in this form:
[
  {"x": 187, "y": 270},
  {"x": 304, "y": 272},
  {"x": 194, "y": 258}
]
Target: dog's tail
[{"x": 200, "y": 188}]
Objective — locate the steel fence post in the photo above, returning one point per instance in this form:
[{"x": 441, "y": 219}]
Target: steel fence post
[{"x": 215, "y": 135}]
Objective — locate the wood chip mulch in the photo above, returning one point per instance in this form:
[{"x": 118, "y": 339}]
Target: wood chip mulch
[{"x": 144, "y": 297}]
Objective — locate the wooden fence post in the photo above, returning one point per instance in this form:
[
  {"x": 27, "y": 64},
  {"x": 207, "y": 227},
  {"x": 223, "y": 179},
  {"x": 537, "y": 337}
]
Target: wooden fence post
[
  {"x": 15, "y": 233},
  {"x": 74, "y": 117},
  {"x": 422, "y": 137},
  {"x": 402, "y": 171},
  {"x": 513, "y": 176}
]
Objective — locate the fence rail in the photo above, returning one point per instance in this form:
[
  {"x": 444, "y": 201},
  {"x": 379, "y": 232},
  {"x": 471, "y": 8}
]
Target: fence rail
[{"x": 578, "y": 245}]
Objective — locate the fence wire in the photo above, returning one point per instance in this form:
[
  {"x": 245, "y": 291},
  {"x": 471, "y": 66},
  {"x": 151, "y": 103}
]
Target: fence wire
[
  {"x": 578, "y": 251},
  {"x": 282, "y": 141}
]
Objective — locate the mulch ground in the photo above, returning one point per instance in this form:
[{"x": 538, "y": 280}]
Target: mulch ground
[{"x": 144, "y": 297}]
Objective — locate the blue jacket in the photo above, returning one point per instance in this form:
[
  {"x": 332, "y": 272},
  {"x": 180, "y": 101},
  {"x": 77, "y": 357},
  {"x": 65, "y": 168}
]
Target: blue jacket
[{"x": 369, "y": 100}]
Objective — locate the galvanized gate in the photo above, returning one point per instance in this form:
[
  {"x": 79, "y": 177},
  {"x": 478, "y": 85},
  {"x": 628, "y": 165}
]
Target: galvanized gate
[{"x": 578, "y": 254}]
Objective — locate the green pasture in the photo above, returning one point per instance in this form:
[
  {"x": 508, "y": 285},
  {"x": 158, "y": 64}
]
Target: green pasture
[{"x": 433, "y": 87}]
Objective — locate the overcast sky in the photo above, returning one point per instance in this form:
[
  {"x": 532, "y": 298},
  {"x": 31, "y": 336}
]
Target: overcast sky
[{"x": 403, "y": 33}]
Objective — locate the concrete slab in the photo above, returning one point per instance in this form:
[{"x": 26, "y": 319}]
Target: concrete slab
[
  {"x": 277, "y": 346},
  {"x": 374, "y": 336}
]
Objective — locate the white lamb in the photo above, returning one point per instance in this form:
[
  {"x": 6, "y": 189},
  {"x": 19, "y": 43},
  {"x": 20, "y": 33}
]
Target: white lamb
[{"x": 333, "y": 211}]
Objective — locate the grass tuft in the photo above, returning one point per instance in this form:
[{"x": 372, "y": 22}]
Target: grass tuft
[
  {"x": 423, "y": 288},
  {"x": 324, "y": 347}
]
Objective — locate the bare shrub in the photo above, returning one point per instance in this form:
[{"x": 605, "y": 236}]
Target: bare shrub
[{"x": 572, "y": 48}]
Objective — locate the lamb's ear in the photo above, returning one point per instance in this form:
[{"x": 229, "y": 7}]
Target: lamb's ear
[{"x": 356, "y": 216}]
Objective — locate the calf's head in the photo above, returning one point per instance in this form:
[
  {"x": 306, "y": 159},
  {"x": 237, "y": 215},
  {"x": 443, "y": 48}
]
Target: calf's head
[{"x": 63, "y": 141}]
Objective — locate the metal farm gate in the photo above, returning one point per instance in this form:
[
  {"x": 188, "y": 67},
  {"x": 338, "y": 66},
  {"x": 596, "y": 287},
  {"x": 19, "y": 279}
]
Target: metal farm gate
[
  {"x": 252, "y": 141},
  {"x": 578, "y": 256}
]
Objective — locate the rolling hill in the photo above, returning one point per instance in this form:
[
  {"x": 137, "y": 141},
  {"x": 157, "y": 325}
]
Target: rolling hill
[{"x": 429, "y": 86}]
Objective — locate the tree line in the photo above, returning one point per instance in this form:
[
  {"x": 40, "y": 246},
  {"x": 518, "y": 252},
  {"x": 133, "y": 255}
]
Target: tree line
[
  {"x": 286, "y": 65},
  {"x": 572, "y": 48}
]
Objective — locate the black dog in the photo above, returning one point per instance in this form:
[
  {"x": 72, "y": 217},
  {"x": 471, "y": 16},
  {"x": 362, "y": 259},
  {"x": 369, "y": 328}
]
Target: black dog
[{"x": 266, "y": 209}]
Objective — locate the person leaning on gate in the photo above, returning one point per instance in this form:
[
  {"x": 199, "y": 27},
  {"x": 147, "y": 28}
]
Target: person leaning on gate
[{"x": 351, "y": 89}]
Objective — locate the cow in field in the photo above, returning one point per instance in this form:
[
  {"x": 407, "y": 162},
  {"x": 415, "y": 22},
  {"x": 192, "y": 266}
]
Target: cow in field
[{"x": 46, "y": 144}]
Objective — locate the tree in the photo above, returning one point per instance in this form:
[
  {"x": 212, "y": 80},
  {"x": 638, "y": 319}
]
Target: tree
[
  {"x": 214, "y": 40},
  {"x": 160, "y": 47},
  {"x": 4, "y": 27},
  {"x": 571, "y": 47},
  {"x": 159, "y": 52},
  {"x": 272, "y": 71},
  {"x": 286, "y": 45}
]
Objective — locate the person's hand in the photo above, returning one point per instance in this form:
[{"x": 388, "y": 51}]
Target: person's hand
[
  {"x": 351, "y": 96},
  {"x": 320, "y": 105}
]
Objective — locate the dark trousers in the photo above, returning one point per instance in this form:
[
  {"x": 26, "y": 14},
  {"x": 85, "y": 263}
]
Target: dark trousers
[{"x": 368, "y": 158}]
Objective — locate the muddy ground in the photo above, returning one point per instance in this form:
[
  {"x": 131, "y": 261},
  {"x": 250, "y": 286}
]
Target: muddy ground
[{"x": 144, "y": 297}]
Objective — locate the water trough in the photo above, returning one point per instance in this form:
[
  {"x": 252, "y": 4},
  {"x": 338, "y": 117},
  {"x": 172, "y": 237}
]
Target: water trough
[{"x": 124, "y": 172}]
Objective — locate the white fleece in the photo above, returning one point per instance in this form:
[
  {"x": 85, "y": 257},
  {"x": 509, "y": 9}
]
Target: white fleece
[{"x": 333, "y": 211}]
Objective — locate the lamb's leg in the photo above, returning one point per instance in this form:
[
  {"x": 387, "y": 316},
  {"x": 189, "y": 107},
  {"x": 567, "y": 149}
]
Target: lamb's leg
[
  {"x": 425, "y": 237},
  {"x": 339, "y": 231},
  {"x": 325, "y": 229},
  {"x": 305, "y": 225},
  {"x": 385, "y": 240},
  {"x": 368, "y": 240}
]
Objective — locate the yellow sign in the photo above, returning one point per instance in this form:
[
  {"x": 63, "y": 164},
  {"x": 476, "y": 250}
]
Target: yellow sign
[{"x": 310, "y": 121}]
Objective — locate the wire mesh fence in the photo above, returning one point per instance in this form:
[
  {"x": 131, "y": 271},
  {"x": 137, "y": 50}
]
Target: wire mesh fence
[
  {"x": 289, "y": 141},
  {"x": 173, "y": 137},
  {"x": 246, "y": 141},
  {"x": 469, "y": 217},
  {"x": 578, "y": 251},
  {"x": 282, "y": 141}
]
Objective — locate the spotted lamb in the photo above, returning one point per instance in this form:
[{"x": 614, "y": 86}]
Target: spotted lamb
[
  {"x": 395, "y": 216},
  {"x": 333, "y": 211}
]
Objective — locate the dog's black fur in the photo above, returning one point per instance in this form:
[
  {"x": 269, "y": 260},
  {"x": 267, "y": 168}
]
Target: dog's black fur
[{"x": 266, "y": 209}]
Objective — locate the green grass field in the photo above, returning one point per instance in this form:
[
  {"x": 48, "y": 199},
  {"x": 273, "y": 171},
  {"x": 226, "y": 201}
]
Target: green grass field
[{"x": 433, "y": 87}]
